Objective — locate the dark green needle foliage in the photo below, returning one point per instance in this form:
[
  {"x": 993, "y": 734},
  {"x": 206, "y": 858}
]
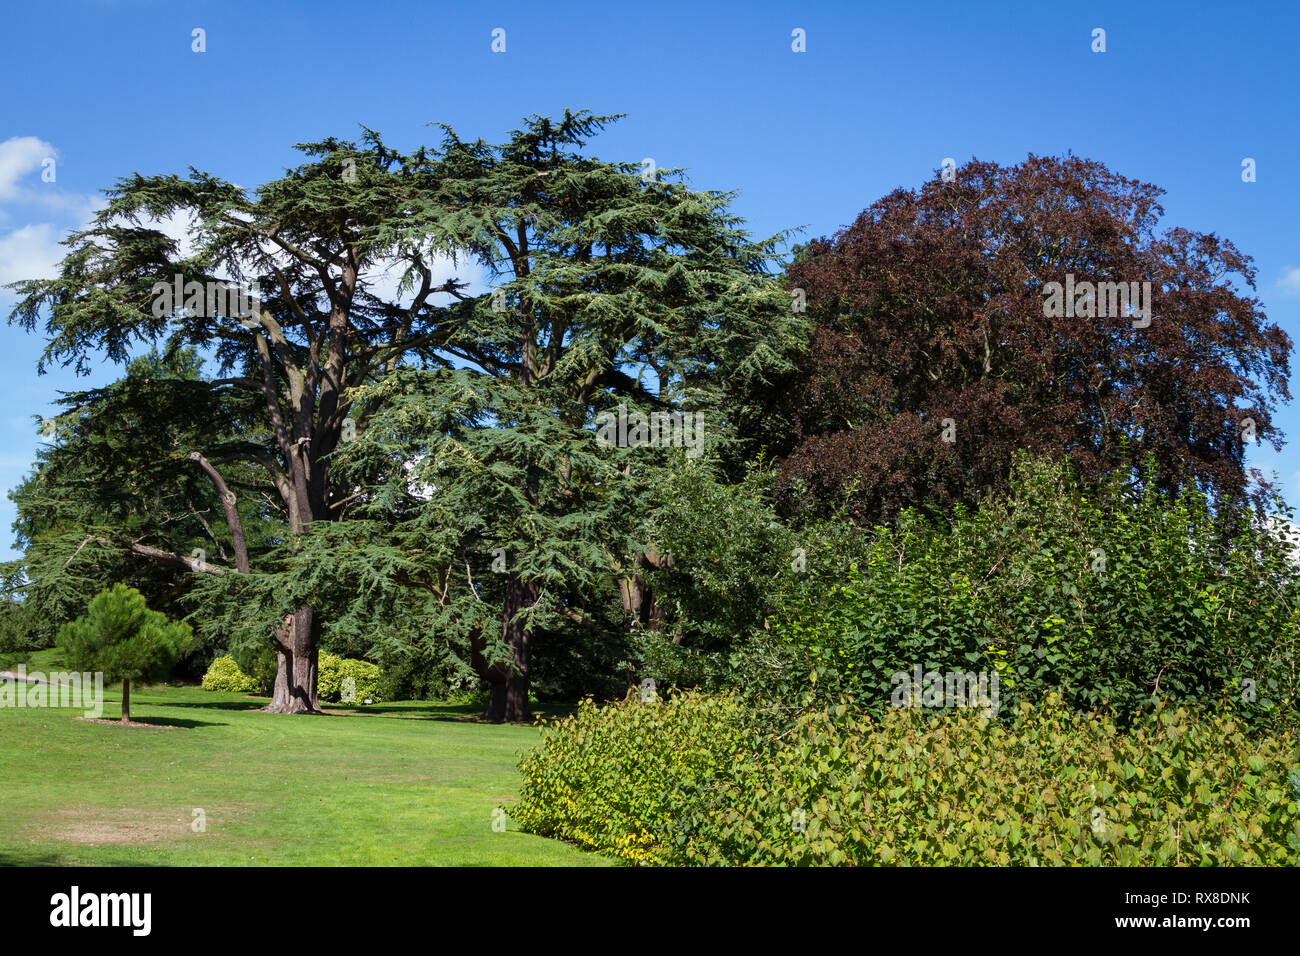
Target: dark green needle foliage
[
  {"x": 120, "y": 637},
  {"x": 608, "y": 289},
  {"x": 473, "y": 409}
]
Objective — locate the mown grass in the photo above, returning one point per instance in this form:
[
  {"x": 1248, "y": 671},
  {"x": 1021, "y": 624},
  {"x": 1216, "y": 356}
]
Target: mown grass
[{"x": 392, "y": 784}]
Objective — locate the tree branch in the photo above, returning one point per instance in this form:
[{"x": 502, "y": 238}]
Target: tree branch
[{"x": 228, "y": 503}]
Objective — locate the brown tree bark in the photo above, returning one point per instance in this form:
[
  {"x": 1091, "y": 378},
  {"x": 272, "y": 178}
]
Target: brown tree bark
[
  {"x": 520, "y": 594},
  {"x": 126, "y": 701},
  {"x": 639, "y": 600},
  {"x": 508, "y": 682},
  {"x": 228, "y": 505},
  {"x": 297, "y": 660},
  {"x": 297, "y": 653}
]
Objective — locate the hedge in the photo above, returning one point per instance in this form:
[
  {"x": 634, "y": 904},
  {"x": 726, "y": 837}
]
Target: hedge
[{"x": 685, "y": 783}]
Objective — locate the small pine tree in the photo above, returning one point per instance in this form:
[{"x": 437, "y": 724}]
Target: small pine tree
[{"x": 120, "y": 636}]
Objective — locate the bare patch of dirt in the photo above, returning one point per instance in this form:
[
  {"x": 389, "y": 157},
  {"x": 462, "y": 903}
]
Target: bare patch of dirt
[
  {"x": 98, "y": 826},
  {"x": 129, "y": 723},
  {"x": 109, "y": 826}
]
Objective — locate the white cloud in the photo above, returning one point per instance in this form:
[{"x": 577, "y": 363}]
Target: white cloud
[
  {"x": 31, "y": 252},
  {"x": 20, "y": 155},
  {"x": 24, "y": 156},
  {"x": 382, "y": 278},
  {"x": 1290, "y": 281},
  {"x": 177, "y": 226}
]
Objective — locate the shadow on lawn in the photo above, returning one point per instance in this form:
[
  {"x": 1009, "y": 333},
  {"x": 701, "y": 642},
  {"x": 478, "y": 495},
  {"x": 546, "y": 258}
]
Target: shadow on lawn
[
  {"x": 220, "y": 705},
  {"x": 459, "y": 713},
  {"x": 30, "y": 859},
  {"x": 184, "y": 722},
  {"x": 407, "y": 711},
  {"x": 400, "y": 710}
]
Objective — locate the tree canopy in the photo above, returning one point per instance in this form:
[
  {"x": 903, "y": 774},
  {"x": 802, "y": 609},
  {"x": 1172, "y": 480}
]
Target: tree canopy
[
  {"x": 932, "y": 316},
  {"x": 610, "y": 289},
  {"x": 120, "y": 637}
]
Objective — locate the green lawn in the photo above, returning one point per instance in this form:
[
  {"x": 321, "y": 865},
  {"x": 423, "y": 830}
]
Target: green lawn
[{"x": 396, "y": 784}]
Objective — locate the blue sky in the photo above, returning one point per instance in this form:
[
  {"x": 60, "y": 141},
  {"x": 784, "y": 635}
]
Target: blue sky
[{"x": 884, "y": 92}]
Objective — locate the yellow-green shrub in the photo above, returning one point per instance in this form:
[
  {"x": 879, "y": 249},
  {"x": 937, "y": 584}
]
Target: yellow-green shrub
[
  {"x": 688, "y": 782},
  {"x": 608, "y": 777},
  {"x": 1045, "y": 786},
  {"x": 332, "y": 671},
  {"x": 224, "y": 674}
]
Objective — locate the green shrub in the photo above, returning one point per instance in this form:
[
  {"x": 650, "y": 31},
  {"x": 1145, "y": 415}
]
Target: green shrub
[
  {"x": 1107, "y": 599},
  {"x": 414, "y": 675},
  {"x": 333, "y": 672},
  {"x": 607, "y": 777},
  {"x": 687, "y": 783},
  {"x": 1048, "y": 786},
  {"x": 475, "y": 697},
  {"x": 413, "y": 672},
  {"x": 260, "y": 663},
  {"x": 224, "y": 674}
]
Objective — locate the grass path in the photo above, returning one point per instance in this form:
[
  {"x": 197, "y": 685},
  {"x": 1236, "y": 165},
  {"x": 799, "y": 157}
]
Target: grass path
[{"x": 398, "y": 784}]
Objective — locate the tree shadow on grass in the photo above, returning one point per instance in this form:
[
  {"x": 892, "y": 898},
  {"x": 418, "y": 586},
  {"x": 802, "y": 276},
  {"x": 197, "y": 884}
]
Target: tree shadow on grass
[
  {"x": 8, "y": 858},
  {"x": 456, "y": 713},
  {"x": 453, "y": 712},
  {"x": 184, "y": 722},
  {"x": 216, "y": 705},
  {"x": 164, "y": 723}
]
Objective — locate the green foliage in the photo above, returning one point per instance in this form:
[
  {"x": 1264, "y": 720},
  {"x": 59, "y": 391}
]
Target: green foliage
[
  {"x": 492, "y": 496},
  {"x": 734, "y": 567},
  {"x": 727, "y": 553},
  {"x": 608, "y": 778},
  {"x": 115, "y": 471},
  {"x": 689, "y": 783},
  {"x": 21, "y": 627},
  {"x": 466, "y": 697},
  {"x": 333, "y": 673},
  {"x": 1048, "y": 786},
  {"x": 258, "y": 661},
  {"x": 120, "y": 636},
  {"x": 1112, "y": 600},
  {"x": 418, "y": 674},
  {"x": 224, "y": 674},
  {"x": 469, "y": 417}
]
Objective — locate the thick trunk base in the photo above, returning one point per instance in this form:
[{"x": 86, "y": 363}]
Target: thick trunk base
[
  {"x": 297, "y": 656},
  {"x": 508, "y": 703},
  {"x": 509, "y": 683}
]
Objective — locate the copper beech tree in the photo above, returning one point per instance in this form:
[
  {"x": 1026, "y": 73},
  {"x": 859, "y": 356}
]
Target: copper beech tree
[{"x": 938, "y": 349}]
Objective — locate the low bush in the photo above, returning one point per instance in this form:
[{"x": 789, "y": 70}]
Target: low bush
[
  {"x": 1048, "y": 786},
  {"x": 224, "y": 674},
  {"x": 260, "y": 663},
  {"x": 609, "y": 778},
  {"x": 685, "y": 783},
  {"x": 333, "y": 673}
]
